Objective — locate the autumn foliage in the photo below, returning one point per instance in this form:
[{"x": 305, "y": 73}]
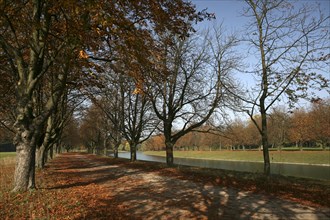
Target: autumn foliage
[{"x": 303, "y": 128}]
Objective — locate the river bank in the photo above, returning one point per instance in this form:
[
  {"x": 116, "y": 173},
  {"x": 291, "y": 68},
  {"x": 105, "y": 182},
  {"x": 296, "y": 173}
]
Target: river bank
[{"x": 200, "y": 159}]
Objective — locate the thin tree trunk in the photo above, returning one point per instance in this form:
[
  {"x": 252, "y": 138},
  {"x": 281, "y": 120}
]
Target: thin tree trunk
[
  {"x": 115, "y": 150},
  {"x": 264, "y": 140}
]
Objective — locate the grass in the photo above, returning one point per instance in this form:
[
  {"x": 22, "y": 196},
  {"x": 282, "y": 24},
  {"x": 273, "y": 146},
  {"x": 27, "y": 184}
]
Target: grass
[
  {"x": 7, "y": 154},
  {"x": 309, "y": 157}
]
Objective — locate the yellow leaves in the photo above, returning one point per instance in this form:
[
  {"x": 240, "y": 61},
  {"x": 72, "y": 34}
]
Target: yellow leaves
[
  {"x": 137, "y": 91},
  {"x": 98, "y": 30},
  {"x": 83, "y": 54},
  {"x": 138, "y": 87}
]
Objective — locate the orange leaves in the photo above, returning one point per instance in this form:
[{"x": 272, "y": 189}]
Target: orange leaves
[
  {"x": 138, "y": 87},
  {"x": 137, "y": 91},
  {"x": 83, "y": 54}
]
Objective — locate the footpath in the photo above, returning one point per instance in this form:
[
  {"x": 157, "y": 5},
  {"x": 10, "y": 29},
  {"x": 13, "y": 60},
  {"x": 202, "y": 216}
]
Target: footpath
[{"x": 111, "y": 189}]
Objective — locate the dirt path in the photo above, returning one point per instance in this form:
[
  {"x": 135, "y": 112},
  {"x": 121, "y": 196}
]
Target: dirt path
[{"x": 147, "y": 194}]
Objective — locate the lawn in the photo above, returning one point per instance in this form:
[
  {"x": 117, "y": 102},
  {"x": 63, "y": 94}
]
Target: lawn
[
  {"x": 309, "y": 157},
  {"x": 7, "y": 154}
]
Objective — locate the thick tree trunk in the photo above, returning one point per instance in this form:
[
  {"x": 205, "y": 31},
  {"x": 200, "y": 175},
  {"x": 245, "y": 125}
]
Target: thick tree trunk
[
  {"x": 25, "y": 142},
  {"x": 133, "y": 151},
  {"x": 169, "y": 153},
  {"x": 25, "y": 163}
]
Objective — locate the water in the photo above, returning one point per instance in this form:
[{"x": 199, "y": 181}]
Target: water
[{"x": 286, "y": 169}]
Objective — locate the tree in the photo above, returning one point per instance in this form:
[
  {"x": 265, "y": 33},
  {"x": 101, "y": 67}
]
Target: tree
[
  {"x": 108, "y": 98},
  {"x": 299, "y": 130},
  {"x": 70, "y": 137},
  {"x": 279, "y": 123},
  {"x": 155, "y": 142},
  {"x": 190, "y": 91},
  {"x": 7, "y": 104},
  {"x": 28, "y": 39},
  {"x": 93, "y": 128},
  {"x": 139, "y": 119},
  {"x": 311, "y": 127},
  {"x": 35, "y": 34},
  {"x": 320, "y": 122},
  {"x": 237, "y": 133},
  {"x": 289, "y": 45}
]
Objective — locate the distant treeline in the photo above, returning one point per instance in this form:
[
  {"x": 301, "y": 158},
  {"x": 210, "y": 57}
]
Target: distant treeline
[{"x": 299, "y": 129}]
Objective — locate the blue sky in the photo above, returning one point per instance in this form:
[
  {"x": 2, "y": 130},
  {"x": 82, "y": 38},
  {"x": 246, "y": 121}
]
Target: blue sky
[
  {"x": 230, "y": 13},
  {"x": 230, "y": 10}
]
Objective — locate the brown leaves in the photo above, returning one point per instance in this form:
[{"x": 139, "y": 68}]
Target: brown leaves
[
  {"x": 91, "y": 187},
  {"x": 61, "y": 195}
]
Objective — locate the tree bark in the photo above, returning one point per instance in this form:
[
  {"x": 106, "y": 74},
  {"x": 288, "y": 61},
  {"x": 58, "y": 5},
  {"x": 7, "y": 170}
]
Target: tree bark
[
  {"x": 264, "y": 138},
  {"x": 169, "y": 153},
  {"x": 51, "y": 152},
  {"x": 115, "y": 150},
  {"x": 133, "y": 151},
  {"x": 25, "y": 162},
  {"x": 40, "y": 154}
]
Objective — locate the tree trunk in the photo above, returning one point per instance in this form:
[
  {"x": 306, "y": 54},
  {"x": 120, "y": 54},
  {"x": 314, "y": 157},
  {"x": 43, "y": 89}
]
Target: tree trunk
[
  {"x": 58, "y": 148},
  {"x": 264, "y": 140},
  {"x": 133, "y": 151},
  {"x": 105, "y": 146},
  {"x": 25, "y": 142},
  {"x": 115, "y": 150},
  {"x": 40, "y": 159},
  {"x": 25, "y": 163},
  {"x": 169, "y": 153},
  {"x": 51, "y": 152}
]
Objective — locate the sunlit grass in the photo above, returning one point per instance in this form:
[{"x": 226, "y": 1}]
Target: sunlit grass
[
  {"x": 309, "y": 157},
  {"x": 7, "y": 154}
]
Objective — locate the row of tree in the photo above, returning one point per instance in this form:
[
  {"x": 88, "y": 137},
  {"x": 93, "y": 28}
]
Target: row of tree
[
  {"x": 187, "y": 91},
  {"x": 50, "y": 51},
  {"x": 143, "y": 69},
  {"x": 194, "y": 84}
]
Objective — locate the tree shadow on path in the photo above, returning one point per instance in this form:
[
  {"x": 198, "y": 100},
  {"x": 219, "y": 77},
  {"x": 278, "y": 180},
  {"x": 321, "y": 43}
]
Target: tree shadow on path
[{"x": 147, "y": 194}]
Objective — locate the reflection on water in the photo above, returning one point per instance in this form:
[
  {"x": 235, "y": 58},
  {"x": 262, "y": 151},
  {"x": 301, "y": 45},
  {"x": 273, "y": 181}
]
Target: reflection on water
[{"x": 286, "y": 169}]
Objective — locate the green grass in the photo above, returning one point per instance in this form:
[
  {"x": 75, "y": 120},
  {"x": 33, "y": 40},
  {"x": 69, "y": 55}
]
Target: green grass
[
  {"x": 309, "y": 157},
  {"x": 7, "y": 154}
]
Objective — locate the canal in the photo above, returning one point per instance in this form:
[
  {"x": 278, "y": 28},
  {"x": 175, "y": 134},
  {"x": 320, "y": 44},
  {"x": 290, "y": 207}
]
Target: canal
[{"x": 286, "y": 169}]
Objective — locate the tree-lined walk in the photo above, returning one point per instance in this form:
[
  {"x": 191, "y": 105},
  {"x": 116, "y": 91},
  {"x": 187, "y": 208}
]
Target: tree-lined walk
[
  {"x": 99, "y": 74},
  {"x": 84, "y": 186},
  {"x": 47, "y": 49}
]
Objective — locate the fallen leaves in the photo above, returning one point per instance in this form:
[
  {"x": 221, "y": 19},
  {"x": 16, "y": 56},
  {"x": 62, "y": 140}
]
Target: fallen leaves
[{"x": 75, "y": 187}]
